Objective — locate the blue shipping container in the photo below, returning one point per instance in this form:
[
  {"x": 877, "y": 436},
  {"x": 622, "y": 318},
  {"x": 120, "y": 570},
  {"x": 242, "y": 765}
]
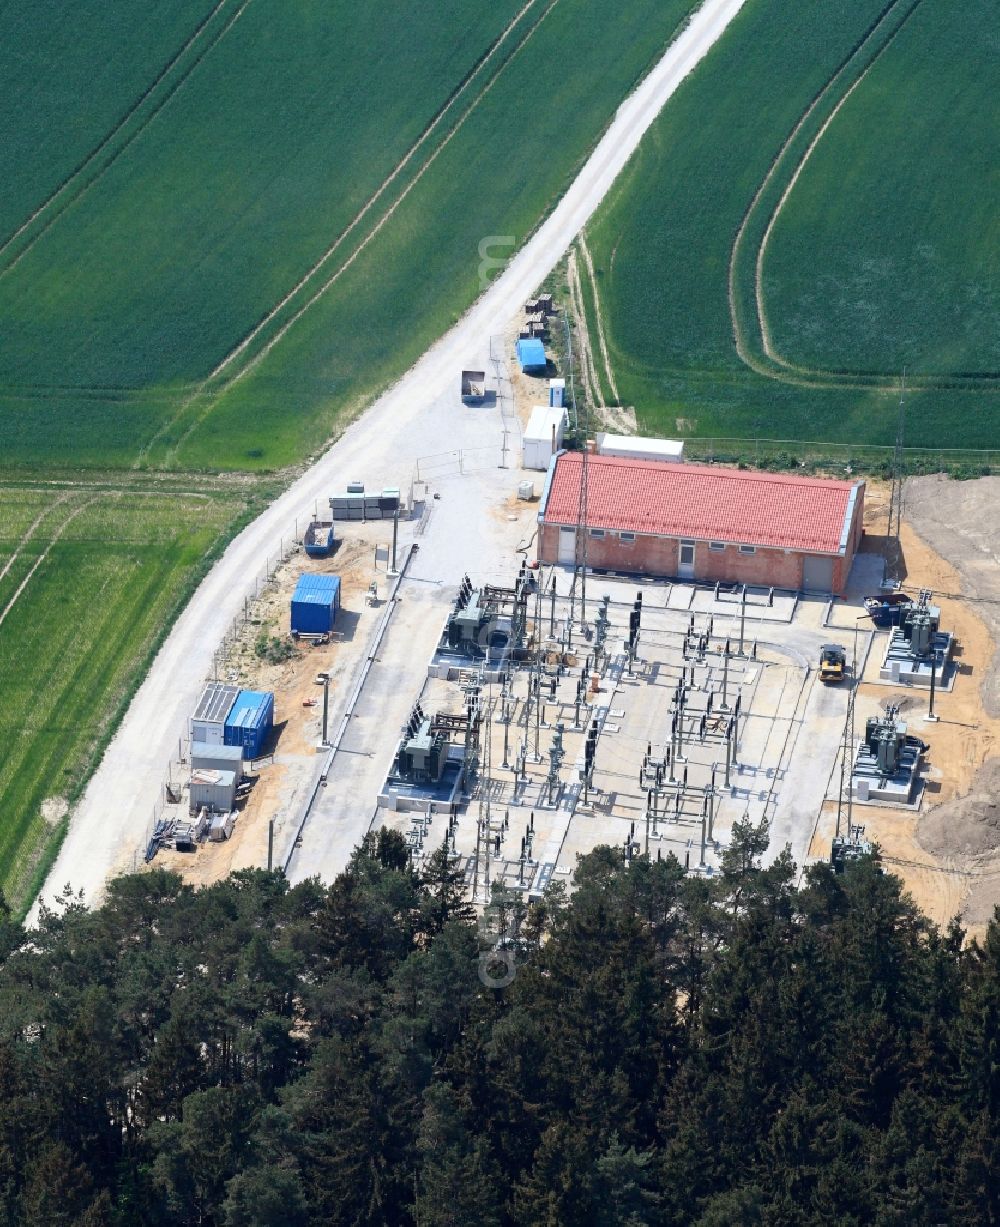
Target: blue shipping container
[
  {"x": 250, "y": 722},
  {"x": 531, "y": 354},
  {"x": 315, "y": 602}
]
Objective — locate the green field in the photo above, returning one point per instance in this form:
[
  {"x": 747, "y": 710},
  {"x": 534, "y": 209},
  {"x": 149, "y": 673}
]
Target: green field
[
  {"x": 240, "y": 205},
  {"x": 676, "y": 244},
  {"x": 899, "y": 263},
  {"x": 228, "y": 224},
  {"x": 105, "y": 570}
]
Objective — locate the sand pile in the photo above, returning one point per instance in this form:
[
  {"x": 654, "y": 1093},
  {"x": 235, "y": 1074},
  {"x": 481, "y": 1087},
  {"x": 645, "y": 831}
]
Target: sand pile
[{"x": 969, "y": 825}]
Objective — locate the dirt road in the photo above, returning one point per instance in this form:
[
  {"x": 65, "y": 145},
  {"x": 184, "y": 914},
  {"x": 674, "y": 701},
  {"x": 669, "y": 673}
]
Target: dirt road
[{"x": 407, "y": 422}]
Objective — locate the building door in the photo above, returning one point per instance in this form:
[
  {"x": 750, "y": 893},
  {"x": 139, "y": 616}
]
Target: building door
[
  {"x": 567, "y": 546},
  {"x": 685, "y": 560},
  {"x": 817, "y": 574}
]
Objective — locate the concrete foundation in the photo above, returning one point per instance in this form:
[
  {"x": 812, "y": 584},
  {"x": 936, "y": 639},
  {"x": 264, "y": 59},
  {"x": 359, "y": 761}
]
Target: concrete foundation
[
  {"x": 869, "y": 786},
  {"x": 901, "y": 668},
  {"x": 403, "y": 797}
]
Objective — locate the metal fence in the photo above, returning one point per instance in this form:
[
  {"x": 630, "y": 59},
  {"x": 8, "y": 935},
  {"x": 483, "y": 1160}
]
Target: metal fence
[{"x": 792, "y": 453}]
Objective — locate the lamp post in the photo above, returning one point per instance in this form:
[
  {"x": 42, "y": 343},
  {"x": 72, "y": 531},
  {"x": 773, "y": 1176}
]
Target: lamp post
[{"x": 325, "y": 678}]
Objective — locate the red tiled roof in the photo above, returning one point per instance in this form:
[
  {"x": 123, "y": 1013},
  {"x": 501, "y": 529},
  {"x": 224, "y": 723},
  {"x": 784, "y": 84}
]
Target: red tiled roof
[{"x": 702, "y": 502}]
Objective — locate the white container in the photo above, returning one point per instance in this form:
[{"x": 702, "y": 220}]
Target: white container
[
  {"x": 543, "y": 436},
  {"x": 639, "y": 447}
]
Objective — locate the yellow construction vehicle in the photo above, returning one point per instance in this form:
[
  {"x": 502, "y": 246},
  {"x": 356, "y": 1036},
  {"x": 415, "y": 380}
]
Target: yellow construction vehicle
[{"x": 832, "y": 663}]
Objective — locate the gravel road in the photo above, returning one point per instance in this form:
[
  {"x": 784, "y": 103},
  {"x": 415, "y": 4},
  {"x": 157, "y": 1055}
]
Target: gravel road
[{"x": 402, "y": 425}]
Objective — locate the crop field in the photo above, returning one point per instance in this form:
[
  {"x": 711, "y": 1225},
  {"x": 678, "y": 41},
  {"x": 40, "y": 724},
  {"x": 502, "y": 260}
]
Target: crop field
[
  {"x": 228, "y": 225},
  {"x": 88, "y": 578},
  {"x": 915, "y": 153},
  {"x": 295, "y": 233},
  {"x": 807, "y": 218}
]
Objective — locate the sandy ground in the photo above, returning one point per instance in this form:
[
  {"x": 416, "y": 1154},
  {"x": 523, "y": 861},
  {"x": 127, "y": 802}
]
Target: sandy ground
[
  {"x": 947, "y": 853},
  {"x": 959, "y": 520},
  {"x": 283, "y": 778}
]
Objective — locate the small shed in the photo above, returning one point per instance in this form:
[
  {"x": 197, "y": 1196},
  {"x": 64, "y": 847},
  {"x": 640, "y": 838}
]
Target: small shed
[
  {"x": 531, "y": 355},
  {"x": 213, "y": 790},
  {"x": 543, "y": 436},
  {"x": 315, "y": 603},
  {"x": 250, "y": 722},
  {"x": 209, "y": 719},
  {"x": 217, "y": 758}
]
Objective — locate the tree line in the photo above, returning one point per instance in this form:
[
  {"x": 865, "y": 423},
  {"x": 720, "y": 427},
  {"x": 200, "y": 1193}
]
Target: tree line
[{"x": 652, "y": 1049}]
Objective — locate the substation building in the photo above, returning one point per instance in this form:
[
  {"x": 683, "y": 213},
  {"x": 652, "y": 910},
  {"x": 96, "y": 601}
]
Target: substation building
[{"x": 702, "y": 523}]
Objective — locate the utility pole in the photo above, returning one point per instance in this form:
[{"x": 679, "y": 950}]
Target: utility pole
[
  {"x": 892, "y": 544},
  {"x": 582, "y": 529}
]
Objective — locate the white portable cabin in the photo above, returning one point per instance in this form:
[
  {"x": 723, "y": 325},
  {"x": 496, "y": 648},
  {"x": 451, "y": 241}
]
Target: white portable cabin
[
  {"x": 216, "y": 758},
  {"x": 208, "y": 723},
  {"x": 543, "y": 436},
  {"x": 639, "y": 447}
]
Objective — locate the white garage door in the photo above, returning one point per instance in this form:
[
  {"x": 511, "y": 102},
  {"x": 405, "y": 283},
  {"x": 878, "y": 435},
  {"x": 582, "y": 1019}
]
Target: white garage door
[{"x": 817, "y": 574}]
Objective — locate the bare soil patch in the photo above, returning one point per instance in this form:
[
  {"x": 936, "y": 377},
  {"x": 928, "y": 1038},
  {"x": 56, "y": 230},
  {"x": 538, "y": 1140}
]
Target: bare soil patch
[
  {"x": 959, "y": 520},
  {"x": 968, "y": 825},
  {"x": 949, "y": 854}
]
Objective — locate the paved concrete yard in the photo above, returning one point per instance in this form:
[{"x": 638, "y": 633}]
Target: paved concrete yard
[{"x": 789, "y": 730}]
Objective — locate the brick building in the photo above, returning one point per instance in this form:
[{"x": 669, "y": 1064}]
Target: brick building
[{"x": 702, "y": 522}]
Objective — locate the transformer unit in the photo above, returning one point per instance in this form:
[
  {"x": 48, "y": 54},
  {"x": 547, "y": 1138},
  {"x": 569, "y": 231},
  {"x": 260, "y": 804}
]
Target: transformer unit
[
  {"x": 471, "y": 629},
  {"x": 885, "y": 738},
  {"x": 473, "y": 623},
  {"x": 919, "y": 625},
  {"x": 423, "y": 752}
]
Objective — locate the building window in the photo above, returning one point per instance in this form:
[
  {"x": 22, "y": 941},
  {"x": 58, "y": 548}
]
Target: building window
[
  {"x": 627, "y": 538},
  {"x": 717, "y": 546},
  {"x": 597, "y": 533},
  {"x": 748, "y": 549}
]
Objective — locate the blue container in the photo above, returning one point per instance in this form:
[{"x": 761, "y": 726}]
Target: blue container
[
  {"x": 315, "y": 602},
  {"x": 319, "y": 539},
  {"x": 531, "y": 354},
  {"x": 250, "y": 721}
]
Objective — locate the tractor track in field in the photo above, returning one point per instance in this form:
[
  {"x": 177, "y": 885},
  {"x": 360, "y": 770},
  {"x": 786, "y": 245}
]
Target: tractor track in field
[
  {"x": 76, "y": 186},
  {"x": 43, "y": 555},
  {"x": 206, "y": 389},
  {"x": 366, "y": 208},
  {"x": 194, "y": 389},
  {"x": 771, "y": 363},
  {"x": 599, "y": 320},
  {"x": 29, "y": 532}
]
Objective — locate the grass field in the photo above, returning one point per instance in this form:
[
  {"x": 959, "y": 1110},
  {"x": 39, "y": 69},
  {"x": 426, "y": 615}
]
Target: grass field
[
  {"x": 675, "y": 246},
  {"x": 53, "y": 56},
  {"x": 899, "y": 265},
  {"x": 105, "y": 570},
  {"x": 259, "y": 181},
  {"x": 228, "y": 225}
]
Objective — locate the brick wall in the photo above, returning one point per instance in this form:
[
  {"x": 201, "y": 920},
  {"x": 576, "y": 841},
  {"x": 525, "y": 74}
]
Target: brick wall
[{"x": 646, "y": 555}]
